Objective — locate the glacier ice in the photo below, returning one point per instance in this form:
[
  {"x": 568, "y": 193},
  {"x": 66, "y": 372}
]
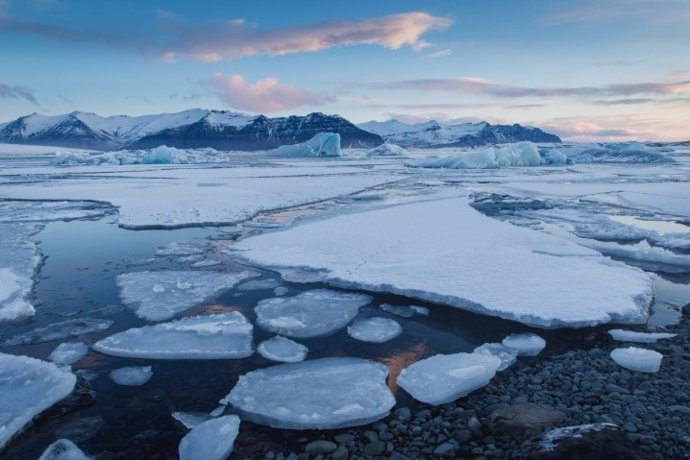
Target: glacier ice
[
  {"x": 376, "y": 330},
  {"x": 131, "y": 375},
  {"x": 28, "y": 387},
  {"x": 323, "y": 393},
  {"x": 190, "y": 419},
  {"x": 309, "y": 314},
  {"x": 612, "y": 152},
  {"x": 501, "y": 156},
  {"x": 219, "y": 336},
  {"x": 68, "y": 353},
  {"x": 552, "y": 438},
  {"x": 637, "y": 359},
  {"x": 405, "y": 311},
  {"x": 158, "y": 296},
  {"x": 158, "y": 155},
  {"x": 507, "y": 355},
  {"x": 321, "y": 145},
  {"x": 210, "y": 440},
  {"x": 387, "y": 150},
  {"x": 639, "y": 337},
  {"x": 282, "y": 349},
  {"x": 63, "y": 449},
  {"x": 441, "y": 379},
  {"x": 61, "y": 330},
  {"x": 527, "y": 344}
]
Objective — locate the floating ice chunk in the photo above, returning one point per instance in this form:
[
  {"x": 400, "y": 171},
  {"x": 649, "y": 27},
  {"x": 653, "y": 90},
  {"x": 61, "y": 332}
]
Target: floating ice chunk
[
  {"x": 321, "y": 145},
  {"x": 28, "y": 387},
  {"x": 527, "y": 344},
  {"x": 637, "y": 359},
  {"x": 68, "y": 353},
  {"x": 220, "y": 336},
  {"x": 131, "y": 375},
  {"x": 211, "y": 440},
  {"x": 60, "y": 331},
  {"x": 63, "y": 449},
  {"x": 639, "y": 337},
  {"x": 519, "y": 154},
  {"x": 206, "y": 263},
  {"x": 158, "y": 155},
  {"x": 181, "y": 248},
  {"x": 282, "y": 349},
  {"x": 628, "y": 152},
  {"x": 441, "y": 379},
  {"x": 255, "y": 285},
  {"x": 309, "y": 314},
  {"x": 317, "y": 394},
  {"x": 405, "y": 311},
  {"x": 376, "y": 330},
  {"x": 190, "y": 419},
  {"x": 387, "y": 150},
  {"x": 157, "y": 296},
  {"x": 508, "y": 356}
]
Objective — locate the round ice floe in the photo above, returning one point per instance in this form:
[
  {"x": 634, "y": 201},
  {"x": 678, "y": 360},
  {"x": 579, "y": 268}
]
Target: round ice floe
[
  {"x": 282, "y": 349},
  {"x": 639, "y": 337},
  {"x": 63, "y": 449},
  {"x": 210, "y": 440},
  {"x": 68, "y": 353},
  {"x": 220, "y": 336},
  {"x": 527, "y": 344},
  {"x": 376, "y": 330},
  {"x": 444, "y": 378},
  {"x": 317, "y": 394},
  {"x": 131, "y": 375},
  {"x": 309, "y": 314},
  {"x": 508, "y": 356},
  {"x": 637, "y": 359}
]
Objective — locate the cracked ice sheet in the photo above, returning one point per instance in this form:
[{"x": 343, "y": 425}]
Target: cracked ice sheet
[
  {"x": 19, "y": 258},
  {"x": 195, "y": 196},
  {"x": 445, "y": 251}
]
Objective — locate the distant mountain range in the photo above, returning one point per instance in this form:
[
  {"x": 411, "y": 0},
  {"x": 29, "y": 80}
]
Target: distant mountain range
[{"x": 226, "y": 130}]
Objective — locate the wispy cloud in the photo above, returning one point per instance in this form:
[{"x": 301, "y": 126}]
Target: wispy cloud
[
  {"x": 440, "y": 53},
  {"x": 17, "y": 92},
  {"x": 619, "y": 127},
  {"x": 634, "y": 101},
  {"x": 267, "y": 95}
]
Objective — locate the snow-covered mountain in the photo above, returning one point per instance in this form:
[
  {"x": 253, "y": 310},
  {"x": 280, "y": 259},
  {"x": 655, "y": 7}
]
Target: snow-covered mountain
[
  {"x": 222, "y": 130},
  {"x": 434, "y": 134}
]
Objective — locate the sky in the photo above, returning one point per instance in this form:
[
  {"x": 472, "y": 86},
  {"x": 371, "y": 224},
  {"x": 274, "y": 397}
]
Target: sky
[{"x": 583, "y": 69}]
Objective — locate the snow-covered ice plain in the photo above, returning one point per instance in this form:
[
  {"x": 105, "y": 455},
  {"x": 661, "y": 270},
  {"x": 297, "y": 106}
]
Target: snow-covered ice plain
[{"x": 385, "y": 268}]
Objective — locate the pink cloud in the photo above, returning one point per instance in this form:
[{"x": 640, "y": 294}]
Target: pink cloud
[{"x": 267, "y": 95}]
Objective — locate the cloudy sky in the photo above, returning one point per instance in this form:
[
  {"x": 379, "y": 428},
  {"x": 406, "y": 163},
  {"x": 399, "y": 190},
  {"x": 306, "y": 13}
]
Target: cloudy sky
[{"x": 585, "y": 69}]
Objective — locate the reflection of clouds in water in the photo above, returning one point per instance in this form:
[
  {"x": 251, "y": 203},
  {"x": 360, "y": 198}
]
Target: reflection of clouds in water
[
  {"x": 396, "y": 363},
  {"x": 93, "y": 361}
]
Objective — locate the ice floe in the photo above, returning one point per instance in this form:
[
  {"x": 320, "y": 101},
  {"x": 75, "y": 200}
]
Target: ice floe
[
  {"x": 639, "y": 337},
  {"x": 317, "y": 394},
  {"x": 500, "y": 156},
  {"x": 18, "y": 261},
  {"x": 282, "y": 349},
  {"x": 441, "y": 379},
  {"x": 405, "y": 311},
  {"x": 67, "y": 329},
  {"x": 190, "y": 419},
  {"x": 131, "y": 375},
  {"x": 309, "y": 314},
  {"x": 28, "y": 387},
  {"x": 321, "y": 145},
  {"x": 465, "y": 259},
  {"x": 637, "y": 359},
  {"x": 157, "y": 296},
  {"x": 507, "y": 355},
  {"x": 219, "y": 336},
  {"x": 526, "y": 344},
  {"x": 376, "y": 330},
  {"x": 210, "y": 440},
  {"x": 63, "y": 449},
  {"x": 68, "y": 353}
]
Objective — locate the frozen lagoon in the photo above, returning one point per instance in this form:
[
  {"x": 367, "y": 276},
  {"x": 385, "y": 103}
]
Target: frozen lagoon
[{"x": 82, "y": 285}]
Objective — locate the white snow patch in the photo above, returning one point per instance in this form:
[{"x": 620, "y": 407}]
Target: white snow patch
[
  {"x": 282, "y": 349},
  {"x": 375, "y": 330},
  {"x": 637, "y": 359},
  {"x": 131, "y": 375},
  {"x": 210, "y": 440}
]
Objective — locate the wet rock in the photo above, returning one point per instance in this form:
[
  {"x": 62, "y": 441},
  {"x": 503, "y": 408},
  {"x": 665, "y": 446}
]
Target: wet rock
[
  {"x": 320, "y": 447},
  {"x": 447, "y": 449},
  {"x": 523, "y": 419},
  {"x": 374, "y": 448},
  {"x": 82, "y": 396},
  {"x": 475, "y": 427},
  {"x": 341, "y": 453}
]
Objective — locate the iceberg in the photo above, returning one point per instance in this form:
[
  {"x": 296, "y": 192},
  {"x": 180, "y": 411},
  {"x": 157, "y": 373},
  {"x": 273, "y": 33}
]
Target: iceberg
[
  {"x": 28, "y": 387},
  {"x": 387, "y": 150},
  {"x": 639, "y": 337},
  {"x": 61, "y": 330},
  {"x": 465, "y": 259},
  {"x": 158, "y": 296},
  {"x": 501, "y": 156},
  {"x": 219, "y": 336},
  {"x": 324, "y": 393},
  {"x": 210, "y": 440},
  {"x": 441, "y": 379},
  {"x": 161, "y": 155},
  {"x": 405, "y": 311},
  {"x": 527, "y": 344},
  {"x": 309, "y": 314},
  {"x": 622, "y": 152},
  {"x": 131, "y": 375},
  {"x": 63, "y": 449},
  {"x": 637, "y": 359},
  {"x": 282, "y": 349},
  {"x": 67, "y": 354},
  {"x": 507, "y": 355},
  {"x": 375, "y": 330},
  {"x": 321, "y": 145}
]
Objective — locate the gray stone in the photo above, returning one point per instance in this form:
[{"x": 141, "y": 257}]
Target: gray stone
[
  {"x": 341, "y": 453},
  {"x": 374, "y": 448},
  {"x": 344, "y": 438},
  {"x": 320, "y": 447},
  {"x": 524, "y": 419},
  {"x": 446, "y": 449}
]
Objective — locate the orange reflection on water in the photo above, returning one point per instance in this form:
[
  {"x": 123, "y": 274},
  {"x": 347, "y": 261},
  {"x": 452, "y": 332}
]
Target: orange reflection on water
[{"x": 396, "y": 363}]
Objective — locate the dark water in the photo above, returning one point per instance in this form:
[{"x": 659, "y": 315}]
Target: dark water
[{"x": 77, "y": 279}]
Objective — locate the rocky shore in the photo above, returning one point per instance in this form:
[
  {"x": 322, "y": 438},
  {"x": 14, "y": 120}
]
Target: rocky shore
[{"x": 627, "y": 415}]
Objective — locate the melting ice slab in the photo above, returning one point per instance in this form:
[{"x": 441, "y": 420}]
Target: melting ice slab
[
  {"x": 63, "y": 449},
  {"x": 525, "y": 344},
  {"x": 157, "y": 296},
  {"x": 450, "y": 253},
  {"x": 282, "y": 349},
  {"x": 225, "y": 335},
  {"x": 376, "y": 330},
  {"x": 317, "y": 394},
  {"x": 309, "y": 314},
  {"x": 508, "y": 356},
  {"x": 211, "y": 440},
  {"x": 637, "y": 359},
  {"x": 441, "y": 379},
  {"x": 28, "y": 387},
  {"x": 639, "y": 337}
]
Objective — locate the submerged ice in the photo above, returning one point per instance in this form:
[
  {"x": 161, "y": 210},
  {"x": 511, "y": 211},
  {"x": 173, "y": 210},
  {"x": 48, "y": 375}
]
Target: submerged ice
[
  {"x": 210, "y": 440},
  {"x": 68, "y": 353},
  {"x": 131, "y": 375},
  {"x": 376, "y": 330}
]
